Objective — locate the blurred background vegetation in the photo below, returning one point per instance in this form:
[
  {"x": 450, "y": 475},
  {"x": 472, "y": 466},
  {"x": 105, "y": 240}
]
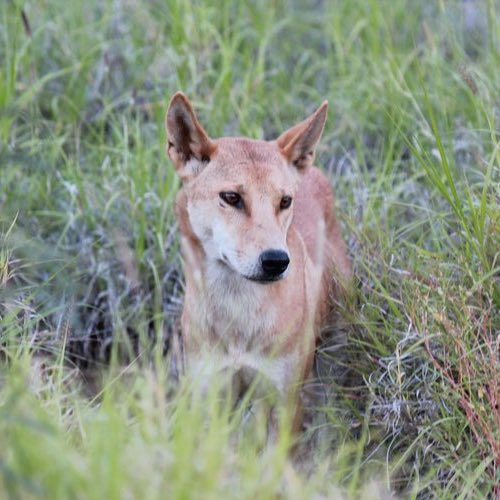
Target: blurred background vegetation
[{"x": 407, "y": 396}]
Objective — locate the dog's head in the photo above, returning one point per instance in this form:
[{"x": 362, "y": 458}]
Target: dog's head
[{"x": 240, "y": 192}]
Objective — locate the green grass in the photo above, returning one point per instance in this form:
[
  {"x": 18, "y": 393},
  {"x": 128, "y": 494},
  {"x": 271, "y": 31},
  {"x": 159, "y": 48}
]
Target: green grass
[{"x": 90, "y": 281}]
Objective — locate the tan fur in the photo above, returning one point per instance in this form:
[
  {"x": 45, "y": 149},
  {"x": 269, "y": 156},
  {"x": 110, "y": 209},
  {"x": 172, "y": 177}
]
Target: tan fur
[{"x": 230, "y": 321}]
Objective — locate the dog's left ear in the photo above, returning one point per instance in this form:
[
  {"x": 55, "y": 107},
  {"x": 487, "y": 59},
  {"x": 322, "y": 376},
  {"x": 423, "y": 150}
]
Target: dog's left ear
[
  {"x": 298, "y": 143},
  {"x": 188, "y": 146}
]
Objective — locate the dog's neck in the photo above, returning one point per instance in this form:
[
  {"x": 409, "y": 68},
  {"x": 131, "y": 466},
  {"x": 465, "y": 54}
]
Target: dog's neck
[{"x": 235, "y": 310}]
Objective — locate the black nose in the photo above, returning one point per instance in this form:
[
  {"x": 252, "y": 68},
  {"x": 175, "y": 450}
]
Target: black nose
[{"x": 274, "y": 262}]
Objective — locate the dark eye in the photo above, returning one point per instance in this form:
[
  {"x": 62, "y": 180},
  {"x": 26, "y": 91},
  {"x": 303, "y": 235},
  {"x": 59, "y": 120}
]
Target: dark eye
[
  {"x": 232, "y": 198},
  {"x": 285, "y": 203}
]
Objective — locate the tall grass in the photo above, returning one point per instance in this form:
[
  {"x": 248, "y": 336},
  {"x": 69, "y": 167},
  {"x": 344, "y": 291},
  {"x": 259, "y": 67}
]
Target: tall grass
[{"x": 406, "y": 398}]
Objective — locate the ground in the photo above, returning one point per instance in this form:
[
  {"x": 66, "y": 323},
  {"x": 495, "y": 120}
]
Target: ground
[{"x": 406, "y": 401}]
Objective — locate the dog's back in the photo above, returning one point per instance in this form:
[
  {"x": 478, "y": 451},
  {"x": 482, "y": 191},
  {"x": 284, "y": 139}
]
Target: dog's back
[{"x": 315, "y": 221}]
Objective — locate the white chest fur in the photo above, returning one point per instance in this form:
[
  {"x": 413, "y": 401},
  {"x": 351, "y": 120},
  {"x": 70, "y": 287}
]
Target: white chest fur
[{"x": 238, "y": 316}]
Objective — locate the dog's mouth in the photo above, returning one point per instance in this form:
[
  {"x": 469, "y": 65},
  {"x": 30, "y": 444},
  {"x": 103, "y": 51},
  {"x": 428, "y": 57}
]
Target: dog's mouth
[
  {"x": 262, "y": 278},
  {"x": 265, "y": 279}
]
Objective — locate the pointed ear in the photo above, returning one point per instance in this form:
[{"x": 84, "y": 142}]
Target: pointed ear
[
  {"x": 298, "y": 143},
  {"x": 188, "y": 146}
]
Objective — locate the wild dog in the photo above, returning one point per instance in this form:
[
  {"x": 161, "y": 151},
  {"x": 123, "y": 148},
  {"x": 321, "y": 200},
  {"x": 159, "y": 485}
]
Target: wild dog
[{"x": 262, "y": 251}]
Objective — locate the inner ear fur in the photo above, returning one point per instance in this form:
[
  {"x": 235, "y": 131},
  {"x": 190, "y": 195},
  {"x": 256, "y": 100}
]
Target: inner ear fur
[
  {"x": 188, "y": 146},
  {"x": 298, "y": 143}
]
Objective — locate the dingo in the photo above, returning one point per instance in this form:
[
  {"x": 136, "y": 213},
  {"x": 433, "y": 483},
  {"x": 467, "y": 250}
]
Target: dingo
[{"x": 262, "y": 251}]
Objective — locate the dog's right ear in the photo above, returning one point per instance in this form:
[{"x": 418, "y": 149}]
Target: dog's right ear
[{"x": 188, "y": 145}]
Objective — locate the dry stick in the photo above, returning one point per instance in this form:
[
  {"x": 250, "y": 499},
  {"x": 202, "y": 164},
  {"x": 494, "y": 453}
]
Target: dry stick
[{"x": 26, "y": 24}]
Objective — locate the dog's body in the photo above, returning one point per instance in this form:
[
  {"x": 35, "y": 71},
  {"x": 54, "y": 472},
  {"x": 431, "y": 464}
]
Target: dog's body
[{"x": 262, "y": 250}]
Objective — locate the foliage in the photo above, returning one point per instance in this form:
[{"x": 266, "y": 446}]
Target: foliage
[{"x": 90, "y": 284}]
